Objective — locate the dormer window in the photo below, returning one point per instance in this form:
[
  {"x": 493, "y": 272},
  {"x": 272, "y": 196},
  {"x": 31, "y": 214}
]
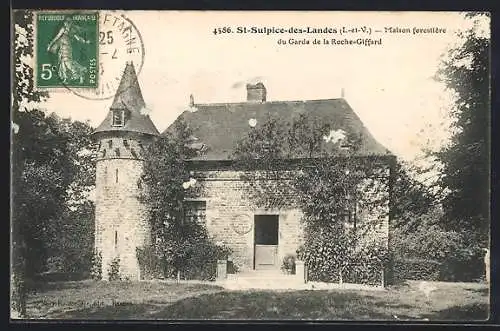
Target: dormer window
[{"x": 118, "y": 118}]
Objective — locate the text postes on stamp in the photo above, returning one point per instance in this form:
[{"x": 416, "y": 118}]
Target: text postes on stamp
[
  {"x": 119, "y": 42},
  {"x": 66, "y": 49}
]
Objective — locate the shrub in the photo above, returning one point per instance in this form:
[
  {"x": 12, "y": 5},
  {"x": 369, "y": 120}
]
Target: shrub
[
  {"x": 366, "y": 264},
  {"x": 300, "y": 253},
  {"x": 320, "y": 254},
  {"x": 149, "y": 262},
  {"x": 114, "y": 269},
  {"x": 463, "y": 265},
  {"x": 416, "y": 269},
  {"x": 343, "y": 257},
  {"x": 232, "y": 268},
  {"x": 198, "y": 261},
  {"x": 288, "y": 264},
  {"x": 96, "y": 266},
  {"x": 201, "y": 260},
  {"x": 427, "y": 242},
  {"x": 458, "y": 260},
  {"x": 60, "y": 276}
]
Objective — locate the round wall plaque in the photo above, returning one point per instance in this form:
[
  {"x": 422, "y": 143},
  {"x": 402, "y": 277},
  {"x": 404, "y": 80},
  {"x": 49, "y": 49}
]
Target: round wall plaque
[{"x": 242, "y": 224}]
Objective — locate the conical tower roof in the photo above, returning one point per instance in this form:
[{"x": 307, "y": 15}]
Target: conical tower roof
[{"x": 129, "y": 98}]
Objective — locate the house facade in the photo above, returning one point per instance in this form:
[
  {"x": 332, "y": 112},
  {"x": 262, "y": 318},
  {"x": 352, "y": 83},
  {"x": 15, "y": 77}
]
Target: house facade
[{"x": 259, "y": 237}]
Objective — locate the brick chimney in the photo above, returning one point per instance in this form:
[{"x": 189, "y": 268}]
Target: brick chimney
[{"x": 256, "y": 92}]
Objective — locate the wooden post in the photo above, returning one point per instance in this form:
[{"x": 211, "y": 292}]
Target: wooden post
[
  {"x": 487, "y": 264},
  {"x": 300, "y": 271},
  {"x": 383, "y": 276}
]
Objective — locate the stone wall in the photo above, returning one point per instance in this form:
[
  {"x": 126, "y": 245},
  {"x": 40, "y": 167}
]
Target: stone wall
[
  {"x": 120, "y": 221},
  {"x": 230, "y": 214},
  {"x": 230, "y": 217}
]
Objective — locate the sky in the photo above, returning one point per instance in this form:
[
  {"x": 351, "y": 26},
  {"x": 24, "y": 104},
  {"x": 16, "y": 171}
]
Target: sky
[{"x": 389, "y": 86}]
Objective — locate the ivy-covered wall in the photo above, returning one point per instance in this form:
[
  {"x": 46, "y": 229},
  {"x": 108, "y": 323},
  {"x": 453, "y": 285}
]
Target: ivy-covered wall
[{"x": 231, "y": 205}]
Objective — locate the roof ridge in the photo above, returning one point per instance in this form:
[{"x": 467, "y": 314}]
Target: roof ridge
[
  {"x": 266, "y": 102},
  {"x": 221, "y": 125}
]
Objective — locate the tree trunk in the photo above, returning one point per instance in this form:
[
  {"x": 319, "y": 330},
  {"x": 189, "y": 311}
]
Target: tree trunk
[
  {"x": 18, "y": 286},
  {"x": 18, "y": 270}
]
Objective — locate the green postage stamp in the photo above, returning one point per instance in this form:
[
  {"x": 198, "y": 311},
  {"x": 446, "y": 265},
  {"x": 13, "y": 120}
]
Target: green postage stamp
[{"x": 66, "y": 49}]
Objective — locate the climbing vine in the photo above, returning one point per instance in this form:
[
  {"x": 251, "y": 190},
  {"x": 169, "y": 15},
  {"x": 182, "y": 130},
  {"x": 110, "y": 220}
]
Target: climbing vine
[
  {"x": 343, "y": 196},
  {"x": 181, "y": 246}
]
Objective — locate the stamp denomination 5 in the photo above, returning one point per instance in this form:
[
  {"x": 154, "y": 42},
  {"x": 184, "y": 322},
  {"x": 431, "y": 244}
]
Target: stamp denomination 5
[{"x": 66, "y": 49}]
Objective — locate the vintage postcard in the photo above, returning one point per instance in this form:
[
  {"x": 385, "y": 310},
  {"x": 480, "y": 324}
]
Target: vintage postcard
[{"x": 180, "y": 165}]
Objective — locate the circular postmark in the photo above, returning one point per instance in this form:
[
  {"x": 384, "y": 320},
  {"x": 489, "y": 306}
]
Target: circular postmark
[
  {"x": 242, "y": 224},
  {"x": 120, "y": 42}
]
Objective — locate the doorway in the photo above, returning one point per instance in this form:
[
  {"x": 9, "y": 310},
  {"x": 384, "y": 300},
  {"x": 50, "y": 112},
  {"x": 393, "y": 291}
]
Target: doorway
[{"x": 266, "y": 242}]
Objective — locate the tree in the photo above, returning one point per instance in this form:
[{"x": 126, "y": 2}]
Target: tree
[
  {"x": 181, "y": 244},
  {"x": 73, "y": 245},
  {"x": 465, "y": 71},
  {"x": 411, "y": 198},
  {"x": 52, "y": 171},
  {"x": 22, "y": 91}
]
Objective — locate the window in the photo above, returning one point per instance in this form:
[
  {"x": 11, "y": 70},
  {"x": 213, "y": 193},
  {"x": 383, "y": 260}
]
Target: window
[
  {"x": 110, "y": 143},
  {"x": 116, "y": 240},
  {"x": 116, "y": 176},
  {"x": 195, "y": 211},
  {"x": 349, "y": 218},
  {"x": 118, "y": 118},
  {"x": 117, "y": 152},
  {"x": 125, "y": 143}
]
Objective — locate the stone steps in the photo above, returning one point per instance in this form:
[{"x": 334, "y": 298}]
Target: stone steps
[
  {"x": 262, "y": 279},
  {"x": 276, "y": 280}
]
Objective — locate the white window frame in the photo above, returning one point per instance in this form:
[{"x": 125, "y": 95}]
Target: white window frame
[
  {"x": 201, "y": 213},
  {"x": 122, "y": 118}
]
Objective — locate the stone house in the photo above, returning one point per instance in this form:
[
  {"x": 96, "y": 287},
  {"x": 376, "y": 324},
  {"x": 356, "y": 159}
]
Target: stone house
[{"x": 260, "y": 238}]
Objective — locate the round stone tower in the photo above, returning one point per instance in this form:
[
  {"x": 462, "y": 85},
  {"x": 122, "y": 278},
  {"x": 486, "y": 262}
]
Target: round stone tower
[{"x": 120, "y": 224}]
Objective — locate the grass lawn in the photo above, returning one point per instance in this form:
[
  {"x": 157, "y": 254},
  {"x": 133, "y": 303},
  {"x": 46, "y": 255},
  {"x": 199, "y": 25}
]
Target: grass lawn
[{"x": 159, "y": 300}]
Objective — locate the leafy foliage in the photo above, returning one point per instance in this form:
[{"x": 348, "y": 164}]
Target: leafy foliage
[
  {"x": 114, "y": 269},
  {"x": 466, "y": 71},
  {"x": 149, "y": 262},
  {"x": 50, "y": 205},
  {"x": 23, "y": 88},
  {"x": 288, "y": 264},
  {"x": 292, "y": 164},
  {"x": 96, "y": 269},
  {"x": 447, "y": 230},
  {"x": 52, "y": 171},
  {"x": 181, "y": 244},
  {"x": 465, "y": 264},
  {"x": 368, "y": 263},
  {"x": 412, "y": 198},
  {"x": 416, "y": 269}
]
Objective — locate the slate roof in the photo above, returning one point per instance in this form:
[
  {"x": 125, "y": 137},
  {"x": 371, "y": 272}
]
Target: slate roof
[
  {"x": 128, "y": 97},
  {"x": 220, "y": 126}
]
